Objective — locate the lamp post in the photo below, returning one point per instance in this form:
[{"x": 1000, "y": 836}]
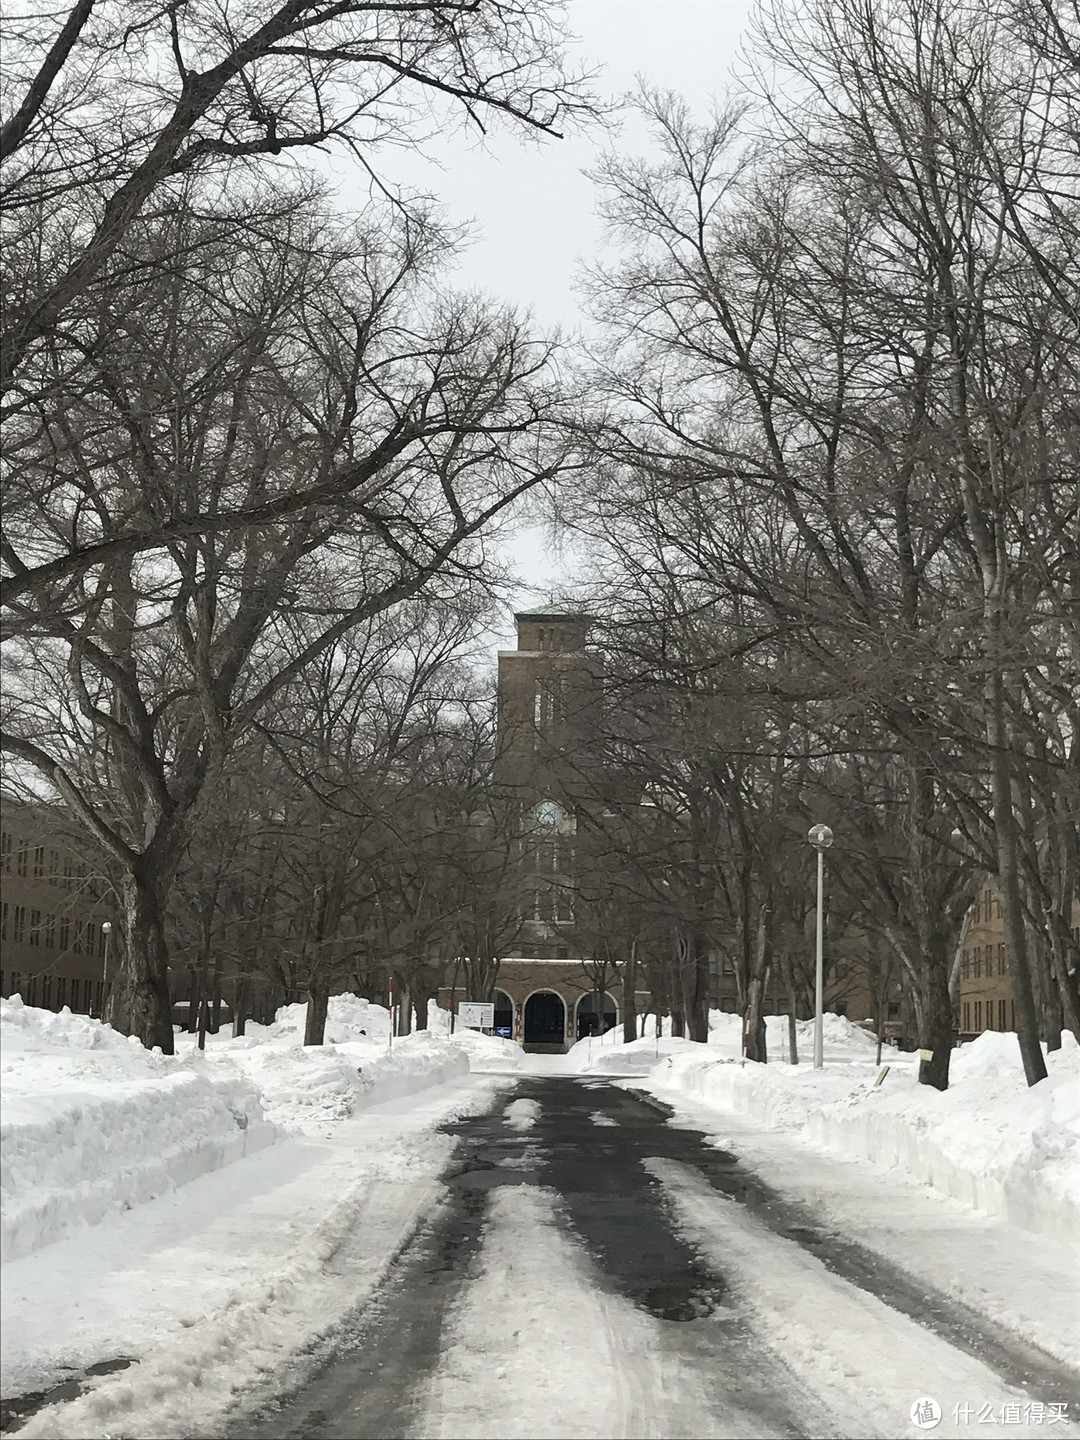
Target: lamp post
[
  {"x": 821, "y": 838},
  {"x": 106, "y": 930}
]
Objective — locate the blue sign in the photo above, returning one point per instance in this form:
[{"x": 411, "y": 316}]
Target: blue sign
[{"x": 503, "y": 1031}]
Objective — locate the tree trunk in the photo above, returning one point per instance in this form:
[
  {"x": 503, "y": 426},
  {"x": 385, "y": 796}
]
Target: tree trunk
[
  {"x": 139, "y": 1001},
  {"x": 698, "y": 1007},
  {"x": 754, "y": 1019},
  {"x": 935, "y": 1015},
  {"x": 191, "y": 1021},
  {"x": 240, "y": 1006},
  {"x": 1027, "y": 1024},
  {"x": 793, "y": 1030},
  {"x": 317, "y": 1006},
  {"x": 405, "y": 1011},
  {"x": 678, "y": 1027},
  {"x": 629, "y": 997}
]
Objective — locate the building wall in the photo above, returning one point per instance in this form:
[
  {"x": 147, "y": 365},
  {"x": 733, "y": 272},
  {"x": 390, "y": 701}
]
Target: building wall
[
  {"x": 522, "y": 977},
  {"x": 985, "y": 992},
  {"x": 52, "y": 946}
]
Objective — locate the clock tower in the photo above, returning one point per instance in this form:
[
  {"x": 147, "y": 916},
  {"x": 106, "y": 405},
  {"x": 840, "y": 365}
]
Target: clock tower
[{"x": 549, "y": 694}]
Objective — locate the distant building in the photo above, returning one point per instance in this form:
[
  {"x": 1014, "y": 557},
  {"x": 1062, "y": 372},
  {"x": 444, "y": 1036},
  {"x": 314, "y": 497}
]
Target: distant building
[
  {"x": 53, "y": 949},
  {"x": 550, "y": 690},
  {"x": 984, "y": 993}
]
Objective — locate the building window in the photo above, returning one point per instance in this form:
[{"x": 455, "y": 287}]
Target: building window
[
  {"x": 727, "y": 965},
  {"x": 35, "y": 927},
  {"x": 977, "y": 961},
  {"x": 727, "y": 1004},
  {"x": 65, "y": 934},
  {"x": 978, "y": 1015},
  {"x": 20, "y": 860},
  {"x": 1001, "y": 1015},
  {"x": 965, "y": 967},
  {"x": 8, "y": 844},
  {"x": 91, "y": 937},
  {"x": 46, "y": 992},
  {"x": 50, "y": 931},
  {"x": 547, "y": 704},
  {"x": 1001, "y": 958},
  {"x": 39, "y": 861},
  {"x": 3, "y": 920},
  {"x": 967, "y": 1016},
  {"x": 18, "y": 931},
  {"x": 61, "y": 992},
  {"x": 54, "y": 867},
  {"x": 78, "y": 944}
]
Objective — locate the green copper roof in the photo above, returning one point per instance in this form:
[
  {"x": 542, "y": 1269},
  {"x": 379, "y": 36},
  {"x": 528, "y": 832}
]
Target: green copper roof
[{"x": 553, "y": 611}]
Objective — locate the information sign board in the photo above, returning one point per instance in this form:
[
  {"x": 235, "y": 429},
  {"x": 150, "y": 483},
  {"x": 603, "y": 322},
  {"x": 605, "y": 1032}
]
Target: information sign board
[{"x": 474, "y": 1016}]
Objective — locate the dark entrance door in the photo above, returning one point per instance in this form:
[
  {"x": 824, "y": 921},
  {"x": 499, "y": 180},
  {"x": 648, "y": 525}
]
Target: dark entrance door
[
  {"x": 504, "y": 1015},
  {"x": 589, "y": 1018},
  {"x": 545, "y": 1019}
]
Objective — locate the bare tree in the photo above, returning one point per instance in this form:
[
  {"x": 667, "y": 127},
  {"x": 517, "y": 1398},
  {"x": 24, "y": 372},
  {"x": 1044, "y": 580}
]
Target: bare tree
[{"x": 240, "y": 381}]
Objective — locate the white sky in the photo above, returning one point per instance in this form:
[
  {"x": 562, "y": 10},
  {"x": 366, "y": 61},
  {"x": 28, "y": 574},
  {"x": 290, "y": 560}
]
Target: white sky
[{"x": 531, "y": 207}]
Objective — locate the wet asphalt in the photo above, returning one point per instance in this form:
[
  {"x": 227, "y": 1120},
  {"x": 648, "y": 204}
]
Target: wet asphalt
[{"x": 371, "y": 1375}]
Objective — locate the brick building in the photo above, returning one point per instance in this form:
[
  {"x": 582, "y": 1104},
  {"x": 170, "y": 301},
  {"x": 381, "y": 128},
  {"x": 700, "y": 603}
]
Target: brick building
[
  {"x": 53, "y": 947},
  {"x": 549, "y": 693}
]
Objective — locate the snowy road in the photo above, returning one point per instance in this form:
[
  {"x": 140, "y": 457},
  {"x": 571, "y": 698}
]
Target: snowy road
[{"x": 596, "y": 1271}]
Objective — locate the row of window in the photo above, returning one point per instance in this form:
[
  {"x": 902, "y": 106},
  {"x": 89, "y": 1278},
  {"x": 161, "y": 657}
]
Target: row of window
[
  {"x": 40, "y": 862},
  {"x": 987, "y": 907},
  {"x": 53, "y": 992},
  {"x": 979, "y": 961},
  {"x": 978, "y": 1016},
  {"x": 23, "y": 925}
]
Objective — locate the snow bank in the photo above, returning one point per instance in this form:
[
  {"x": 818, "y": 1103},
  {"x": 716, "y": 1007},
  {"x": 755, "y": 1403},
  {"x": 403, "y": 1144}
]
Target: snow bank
[
  {"x": 989, "y": 1141},
  {"x": 312, "y": 1088},
  {"x": 93, "y": 1124}
]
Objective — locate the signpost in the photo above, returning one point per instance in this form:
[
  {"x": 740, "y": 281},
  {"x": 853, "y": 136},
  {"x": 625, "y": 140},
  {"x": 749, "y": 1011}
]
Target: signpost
[{"x": 476, "y": 1016}]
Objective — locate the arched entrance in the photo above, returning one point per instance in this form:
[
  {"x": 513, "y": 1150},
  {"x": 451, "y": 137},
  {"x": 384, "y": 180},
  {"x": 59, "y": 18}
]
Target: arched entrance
[
  {"x": 504, "y": 1014},
  {"x": 545, "y": 1021},
  {"x": 591, "y": 1020}
]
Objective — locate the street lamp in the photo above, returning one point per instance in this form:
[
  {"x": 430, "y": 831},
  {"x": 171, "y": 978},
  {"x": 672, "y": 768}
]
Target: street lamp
[
  {"x": 821, "y": 838},
  {"x": 106, "y": 930}
]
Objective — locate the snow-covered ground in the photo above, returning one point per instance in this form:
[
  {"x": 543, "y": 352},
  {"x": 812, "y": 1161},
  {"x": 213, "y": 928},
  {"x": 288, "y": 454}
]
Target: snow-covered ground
[{"x": 209, "y": 1213}]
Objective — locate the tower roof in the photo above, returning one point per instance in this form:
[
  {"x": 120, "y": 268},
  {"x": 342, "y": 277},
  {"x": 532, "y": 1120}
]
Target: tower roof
[{"x": 554, "y": 611}]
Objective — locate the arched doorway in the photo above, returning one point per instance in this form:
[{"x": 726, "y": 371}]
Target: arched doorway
[
  {"x": 591, "y": 1019},
  {"x": 545, "y": 1021},
  {"x": 504, "y": 1014}
]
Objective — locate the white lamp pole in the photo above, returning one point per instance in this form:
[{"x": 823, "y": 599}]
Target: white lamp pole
[
  {"x": 821, "y": 837},
  {"x": 106, "y": 930}
]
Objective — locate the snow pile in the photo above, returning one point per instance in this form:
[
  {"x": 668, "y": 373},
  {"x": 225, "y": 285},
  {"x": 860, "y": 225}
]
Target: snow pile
[
  {"x": 488, "y": 1053},
  {"x": 522, "y": 1114},
  {"x": 348, "y": 1017},
  {"x": 312, "y": 1088},
  {"x": 93, "y": 1123},
  {"x": 988, "y": 1141}
]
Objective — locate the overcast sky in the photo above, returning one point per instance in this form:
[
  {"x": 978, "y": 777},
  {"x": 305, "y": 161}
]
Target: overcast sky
[{"x": 531, "y": 207}]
